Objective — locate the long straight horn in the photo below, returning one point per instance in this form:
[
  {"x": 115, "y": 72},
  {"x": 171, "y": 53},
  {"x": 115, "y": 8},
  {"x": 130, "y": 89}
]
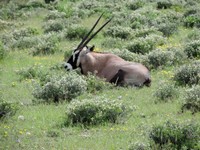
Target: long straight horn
[
  {"x": 88, "y": 40},
  {"x": 83, "y": 40}
]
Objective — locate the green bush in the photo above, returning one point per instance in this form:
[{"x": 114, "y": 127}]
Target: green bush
[
  {"x": 32, "y": 72},
  {"x": 192, "y": 99},
  {"x": 22, "y": 33},
  {"x": 165, "y": 92},
  {"x": 168, "y": 28},
  {"x": 7, "y": 109},
  {"x": 164, "y": 4},
  {"x": 126, "y": 54},
  {"x": 139, "y": 146},
  {"x": 54, "y": 15},
  {"x": 118, "y": 32},
  {"x": 188, "y": 74},
  {"x": 2, "y": 51},
  {"x": 133, "y": 5},
  {"x": 192, "y": 17},
  {"x": 96, "y": 84},
  {"x": 175, "y": 136},
  {"x": 95, "y": 111},
  {"x": 48, "y": 44},
  {"x": 145, "y": 45},
  {"x": 192, "y": 49},
  {"x": 158, "y": 58},
  {"x": 76, "y": 32},
  {"x": 59, "y": 88},
  {"x": 53, "y": 26}
]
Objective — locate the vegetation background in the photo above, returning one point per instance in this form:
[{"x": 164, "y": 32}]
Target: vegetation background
[{"x": 44, "y": 107}]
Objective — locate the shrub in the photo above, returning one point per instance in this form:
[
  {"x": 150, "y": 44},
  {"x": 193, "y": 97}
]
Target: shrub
[
  {"x": 188, "y": 74},
  {"x": 31, "y": 4},
  {"x": 192, "y": 20},
  {"x": 49, "y": 1},
  {"x": 26, "y": 32},
  {"x": 94, "y": 111},
  {"x": 168, "y": 28},
  {"x": 133, "y": 5},
  {"x": 48, "y": 44},
  {"x": 53, "y": 26},
  {"x": 96, "y": 84},
  {"x": 165, "y": 92},
  {"x": 192, "y": 49},
  {"x": 139, "y": 146},
  {"x": 76, "y": 32},
  {"x": 60, "y": 88},
  {"x": 54, "y": 15},
  {"x": 192, "y": 99},
  {"x": 164, "y": 4},
  {"x": 192, "y": 17},
  {"x": 2, "y": 51},
  {"x": 159, "y": 58},
  {"x": 35, "y": 71},
  {"x": 7, "y": 109},
  {"x": 175, "y": 135},
  {"x": 125, "y": 54},
  {"x": 118, "y": 32},
  {"x": 145, "y": 45}
]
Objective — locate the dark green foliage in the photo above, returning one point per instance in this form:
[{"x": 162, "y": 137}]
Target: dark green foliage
[
  {"x": 2, "y": 51},
  {"x": 192, "y": 17},
  {"x": 59, "y": 88},
  {"x": 133, "y": 5},
  {"x": 192, "y": 99},
  {"x": 7, "y": 109},
  {"x": 192, "y": 49},
  {"x": 164, "y": 4},
  {"x": 99, "y": 110},
  {"x": 188, "y": 74},
  {"x": 76, "y": 32},
  {"x": 49, "y": 1},
  {"x": 175, "y": 136}
]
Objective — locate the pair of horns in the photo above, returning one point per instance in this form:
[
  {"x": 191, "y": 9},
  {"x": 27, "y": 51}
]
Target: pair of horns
[{"x": 86, "y": 40}]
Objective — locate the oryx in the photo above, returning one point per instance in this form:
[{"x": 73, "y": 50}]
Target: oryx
[{"x": 106, "y": 65}]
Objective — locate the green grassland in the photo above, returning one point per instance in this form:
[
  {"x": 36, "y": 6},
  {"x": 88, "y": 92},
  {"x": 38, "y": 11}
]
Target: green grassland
[{"x": 41, "y": 126}]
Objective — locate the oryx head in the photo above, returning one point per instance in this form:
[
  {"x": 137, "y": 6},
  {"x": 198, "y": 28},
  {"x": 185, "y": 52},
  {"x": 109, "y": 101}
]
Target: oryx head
[{"x": 74, "y": 60}]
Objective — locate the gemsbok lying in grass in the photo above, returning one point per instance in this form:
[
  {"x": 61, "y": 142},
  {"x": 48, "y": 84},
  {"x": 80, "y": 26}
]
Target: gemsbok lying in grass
[{"x": 106, "y": 65}]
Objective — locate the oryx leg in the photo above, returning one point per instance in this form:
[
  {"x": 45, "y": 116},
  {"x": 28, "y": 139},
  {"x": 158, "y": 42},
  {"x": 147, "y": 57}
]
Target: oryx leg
[{"x": 118, "y": 79}]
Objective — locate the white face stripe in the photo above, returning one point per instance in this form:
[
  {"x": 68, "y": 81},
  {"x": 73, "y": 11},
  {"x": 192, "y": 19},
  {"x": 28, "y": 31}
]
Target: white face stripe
[{"x": 73, "y": 54}]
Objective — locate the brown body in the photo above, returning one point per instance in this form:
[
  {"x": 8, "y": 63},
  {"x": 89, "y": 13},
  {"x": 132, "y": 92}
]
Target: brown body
[{"x": 106, "y": 65}]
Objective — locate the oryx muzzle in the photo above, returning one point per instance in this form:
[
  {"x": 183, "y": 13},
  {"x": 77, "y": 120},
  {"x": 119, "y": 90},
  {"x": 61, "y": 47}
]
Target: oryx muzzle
[{"x": 106, "y": 65}]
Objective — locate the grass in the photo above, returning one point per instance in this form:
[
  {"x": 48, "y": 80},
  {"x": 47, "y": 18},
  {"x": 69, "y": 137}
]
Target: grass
[{"x": 42, "y": 126}]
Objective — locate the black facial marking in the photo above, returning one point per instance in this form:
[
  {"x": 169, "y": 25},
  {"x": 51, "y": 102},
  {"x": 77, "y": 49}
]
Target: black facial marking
[{"x": 73, "y": 63}]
